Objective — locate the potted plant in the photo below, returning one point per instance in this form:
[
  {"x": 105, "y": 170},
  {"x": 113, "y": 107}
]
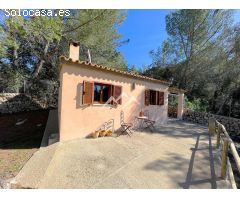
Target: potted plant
[{"x": 141, "y": 114}]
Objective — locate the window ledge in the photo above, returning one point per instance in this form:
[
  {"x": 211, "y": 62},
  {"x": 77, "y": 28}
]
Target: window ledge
[
  {"x": 105, "y": 105},
  {"x": 98, "y": 104}
]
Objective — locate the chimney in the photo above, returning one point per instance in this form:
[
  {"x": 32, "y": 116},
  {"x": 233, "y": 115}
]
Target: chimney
[{"x": 74, "y": 50}]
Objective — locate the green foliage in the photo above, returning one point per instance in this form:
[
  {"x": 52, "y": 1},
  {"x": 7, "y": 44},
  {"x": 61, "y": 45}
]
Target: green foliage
[
  {"x": 196, "y": 104},
  {"x": 44, "y": 29},
  {"x": 11, "y": 80},
  {"x": 202, "y": 56},
  {"x": 134, "y": 69},
  {"x": 31, "y": 47},
  {"x": 2, "y": 39},
  {"x": 97, "y": 31},
  {"x": 172, "y": 100}
]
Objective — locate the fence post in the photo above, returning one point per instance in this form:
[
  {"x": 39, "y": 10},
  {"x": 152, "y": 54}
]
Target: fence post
[
  {"x": 211, "y": 126},
  {"x": 224, "y": 158},
  {"x": 218, "y": 135}
]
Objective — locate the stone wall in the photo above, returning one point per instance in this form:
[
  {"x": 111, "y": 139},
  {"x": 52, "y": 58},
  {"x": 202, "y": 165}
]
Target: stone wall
[
  {"x": 232, "y": 125},
  {"x": 17, "y": 102}
]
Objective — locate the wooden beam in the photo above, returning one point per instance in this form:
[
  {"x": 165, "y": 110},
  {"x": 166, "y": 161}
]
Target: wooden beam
[
  {"x": 218, "y": 136},
  {"x": 224, "y": 158}
]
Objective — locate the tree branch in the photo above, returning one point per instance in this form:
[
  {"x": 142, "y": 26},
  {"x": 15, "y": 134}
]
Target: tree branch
[{"x": 85, "y": 23}]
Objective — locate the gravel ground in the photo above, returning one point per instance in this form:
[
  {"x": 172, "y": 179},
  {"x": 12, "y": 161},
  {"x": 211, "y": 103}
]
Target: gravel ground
[{"x": 4, "y": 184}]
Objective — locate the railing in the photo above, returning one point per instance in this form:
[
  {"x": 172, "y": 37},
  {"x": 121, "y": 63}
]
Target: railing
[{"x": 227, "y": 144}]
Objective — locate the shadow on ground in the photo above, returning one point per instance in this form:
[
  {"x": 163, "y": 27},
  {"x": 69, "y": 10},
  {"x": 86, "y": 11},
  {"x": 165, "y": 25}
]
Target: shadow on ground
[
  {"x": 174, "y": 161},
  {"x": 24, "y": 136}
]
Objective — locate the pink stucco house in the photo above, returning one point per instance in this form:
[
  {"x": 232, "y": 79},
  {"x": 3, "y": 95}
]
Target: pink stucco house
[{"x": 91, "y": 94}]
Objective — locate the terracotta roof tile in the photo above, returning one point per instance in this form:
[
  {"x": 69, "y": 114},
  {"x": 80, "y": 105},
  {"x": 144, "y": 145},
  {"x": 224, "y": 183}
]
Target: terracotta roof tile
[{"x": 63, "y": 58}]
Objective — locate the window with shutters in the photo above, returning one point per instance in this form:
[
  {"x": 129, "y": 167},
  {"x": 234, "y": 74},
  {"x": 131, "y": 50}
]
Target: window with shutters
[
  {"x": 101, "y": 93},
  {"x": 153, "y": 97}
]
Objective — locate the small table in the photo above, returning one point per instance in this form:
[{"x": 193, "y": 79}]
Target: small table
[{"x": 141, "y": 118}]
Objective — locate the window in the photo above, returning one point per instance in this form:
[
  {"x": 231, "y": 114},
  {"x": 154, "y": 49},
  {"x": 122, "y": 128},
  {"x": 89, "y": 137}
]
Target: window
[
  {"x": 153, "y": 97},
  {"x": 101, "y": 93}
]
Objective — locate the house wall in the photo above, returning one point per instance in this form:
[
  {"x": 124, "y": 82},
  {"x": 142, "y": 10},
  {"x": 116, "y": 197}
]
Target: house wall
[{"x": 77, "y": 120}]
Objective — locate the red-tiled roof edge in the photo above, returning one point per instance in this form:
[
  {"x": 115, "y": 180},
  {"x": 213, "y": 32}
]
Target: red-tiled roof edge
[{"x": 63, "y": 58}]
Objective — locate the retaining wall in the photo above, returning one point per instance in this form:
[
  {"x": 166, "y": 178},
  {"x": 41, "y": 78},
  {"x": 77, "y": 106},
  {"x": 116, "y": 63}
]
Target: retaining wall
[
  {"x": 232, "y": 125},
  {"x": 17, "y": 102}
]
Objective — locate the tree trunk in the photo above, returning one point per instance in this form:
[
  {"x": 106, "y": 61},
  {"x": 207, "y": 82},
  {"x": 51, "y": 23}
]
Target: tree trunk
[
  {"x": 231, "y": 106},
  {"x": 183, "y": 79},
  {"x": 220, "y": 109},
  {"x": 38, "y": 68},
  {"x": 15, "y": 57},
  {"x": 41, "y": 62},
  {"x": 213, "y": 102}
]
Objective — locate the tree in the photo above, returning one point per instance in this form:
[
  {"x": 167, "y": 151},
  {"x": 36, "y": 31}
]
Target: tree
[
  {"x": 165, "y": 55},
  {"x": 202, "y": 56},
  {"x": 97, "y": 30},
  {"x": 192, "y": 34},
  {"x": 31, "y": 46},
  {"x": 11, "y": 33},
  {"x": 42, "y": 33}
]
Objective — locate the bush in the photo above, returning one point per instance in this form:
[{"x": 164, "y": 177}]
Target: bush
[
  {"x": 46, "y": 91},
  {"x": 196, "y": 104},
  {"x": 11, "y": 81}
]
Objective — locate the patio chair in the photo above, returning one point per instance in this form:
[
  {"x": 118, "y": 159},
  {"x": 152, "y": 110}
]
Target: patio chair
[
  {"x": 109, "y": 127},
  {"x": 149, "y": 123},
  {"x": 126, "y": 127}
]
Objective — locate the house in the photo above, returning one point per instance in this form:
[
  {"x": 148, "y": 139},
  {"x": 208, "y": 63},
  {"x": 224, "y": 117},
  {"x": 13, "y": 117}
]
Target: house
[{"x": 90, "y": 95}]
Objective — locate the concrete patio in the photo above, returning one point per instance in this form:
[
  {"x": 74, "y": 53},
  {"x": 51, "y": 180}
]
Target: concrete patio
[{"x": 178, "y": 155}]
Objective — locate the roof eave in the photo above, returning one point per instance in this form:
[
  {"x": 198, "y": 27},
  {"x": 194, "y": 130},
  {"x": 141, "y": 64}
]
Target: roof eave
[{"x": 117, "y": 71}]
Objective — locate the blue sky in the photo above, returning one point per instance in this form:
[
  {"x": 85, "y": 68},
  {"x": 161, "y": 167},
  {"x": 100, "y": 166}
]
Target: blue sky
[{"x": 146, "y": 31}]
